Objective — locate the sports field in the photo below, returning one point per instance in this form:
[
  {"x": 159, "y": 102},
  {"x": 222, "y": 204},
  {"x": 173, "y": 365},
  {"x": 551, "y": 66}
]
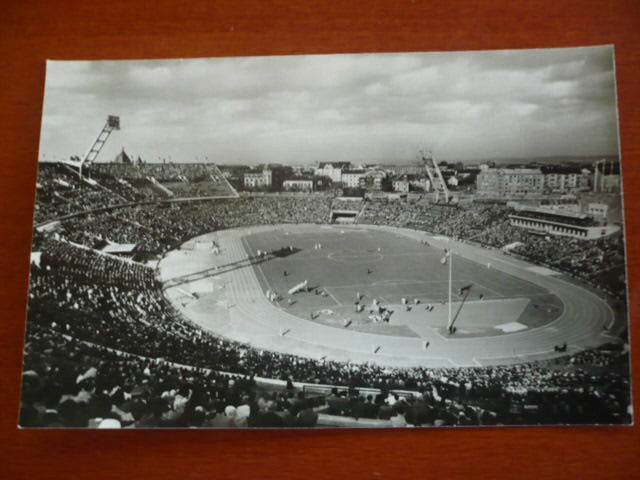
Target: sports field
[
  {"x": 506, "y": 311},
  {"x": 366, "y": 264}
]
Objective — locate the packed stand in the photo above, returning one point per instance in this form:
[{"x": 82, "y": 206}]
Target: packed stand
[
  {"x": 340, "y": 203},
  {"x": 131, "y": 191},
  {"x": 451, "y": 220},
  {"x": 87, "y": 308},
  {"x": 163, "y": 172},
  {"x": 59, "y": 193},
  {"x": 184, "y": 180},
  {"x": 81, "y": 299},
  {"x": 158, "y": 228},
  {"x": 68, "y": 383}
]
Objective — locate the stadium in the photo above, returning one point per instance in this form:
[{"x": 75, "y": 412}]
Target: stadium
[
  {"x": 275, "y": 255},
  {"x": 160, "y": 297}
]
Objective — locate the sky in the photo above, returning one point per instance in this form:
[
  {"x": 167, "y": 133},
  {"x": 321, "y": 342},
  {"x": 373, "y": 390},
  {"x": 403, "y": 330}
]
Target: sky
[{"x": 363, "y": 108}]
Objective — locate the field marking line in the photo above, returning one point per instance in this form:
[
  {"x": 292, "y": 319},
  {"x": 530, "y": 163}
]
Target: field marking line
[
  {"x": 436, "y": 332},
  {"x": 417, "y": 254},
  {"x": 499, "y": 295},
  {"x": 334, "y": 298},
  {"x": 400, "y": 281},
  {"x": 384, "y": 283}
]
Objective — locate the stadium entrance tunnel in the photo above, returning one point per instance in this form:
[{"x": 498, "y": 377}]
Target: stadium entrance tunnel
[{"x": 344, "y": 216}]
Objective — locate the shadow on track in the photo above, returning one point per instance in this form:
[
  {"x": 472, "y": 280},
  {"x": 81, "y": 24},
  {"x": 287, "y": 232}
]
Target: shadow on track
[{"x": 230, "y": 267}]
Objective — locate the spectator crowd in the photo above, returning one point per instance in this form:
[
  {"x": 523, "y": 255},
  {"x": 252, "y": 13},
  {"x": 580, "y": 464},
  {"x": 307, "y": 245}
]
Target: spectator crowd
[
  {"x": 61, "y": 192},
  {"x": 102, "y": 343},
  {"x": 104, "y": 347}
]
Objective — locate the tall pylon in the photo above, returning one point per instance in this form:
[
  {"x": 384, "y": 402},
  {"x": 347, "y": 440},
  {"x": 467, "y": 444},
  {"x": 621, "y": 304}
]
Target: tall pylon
[
  {"x": 600, "y": 168},
  {"x": 435, "y": 175},
  {"x": 112, "y": 123}
]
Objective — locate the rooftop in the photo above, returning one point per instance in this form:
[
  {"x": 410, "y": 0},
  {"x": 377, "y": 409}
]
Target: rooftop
[{"x": 342, "y": 165}]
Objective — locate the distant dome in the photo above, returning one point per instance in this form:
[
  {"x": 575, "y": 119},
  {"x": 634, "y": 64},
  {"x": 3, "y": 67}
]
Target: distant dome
[{"x": 122, "y": 157}]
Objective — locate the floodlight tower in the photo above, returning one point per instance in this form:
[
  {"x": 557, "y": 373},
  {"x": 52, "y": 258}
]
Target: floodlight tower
[
  {"x": 600, "y": 168},
  {"x": 434, "y": 173},
  {"x": 113, "y": 123}
]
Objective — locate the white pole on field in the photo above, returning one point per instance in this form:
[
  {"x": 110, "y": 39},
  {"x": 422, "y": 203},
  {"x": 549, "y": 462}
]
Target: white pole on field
[{"x": 450, "y": 286}]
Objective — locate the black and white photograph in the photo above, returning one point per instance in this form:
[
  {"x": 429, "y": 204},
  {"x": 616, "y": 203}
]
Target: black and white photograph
[{"x": 329, "y": 241}]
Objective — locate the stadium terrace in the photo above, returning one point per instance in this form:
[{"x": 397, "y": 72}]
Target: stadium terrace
[{"x": 107, "y": 346}]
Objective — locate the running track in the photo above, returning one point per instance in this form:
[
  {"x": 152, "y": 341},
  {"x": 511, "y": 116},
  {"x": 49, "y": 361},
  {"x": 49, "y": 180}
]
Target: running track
[{"x": 243, "y": 313}]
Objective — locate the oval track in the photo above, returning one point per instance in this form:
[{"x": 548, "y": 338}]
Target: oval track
[{"x": 249, "y": 317}]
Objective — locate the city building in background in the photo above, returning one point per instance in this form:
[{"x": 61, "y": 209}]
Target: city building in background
[{"x": 258, "y": 179}]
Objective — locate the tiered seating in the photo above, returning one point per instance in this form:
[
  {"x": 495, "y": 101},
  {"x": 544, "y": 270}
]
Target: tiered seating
[
  {"x": 60, "y": 193},
  {"x": 102, "y": 342},
  {"x": 184, "y": 180},
  {"x": 156, "y": 228},
  {"x": 78, "y": 295}
]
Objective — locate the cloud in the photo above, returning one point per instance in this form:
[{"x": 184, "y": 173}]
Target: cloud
[{"x": 349, "y": 107}]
